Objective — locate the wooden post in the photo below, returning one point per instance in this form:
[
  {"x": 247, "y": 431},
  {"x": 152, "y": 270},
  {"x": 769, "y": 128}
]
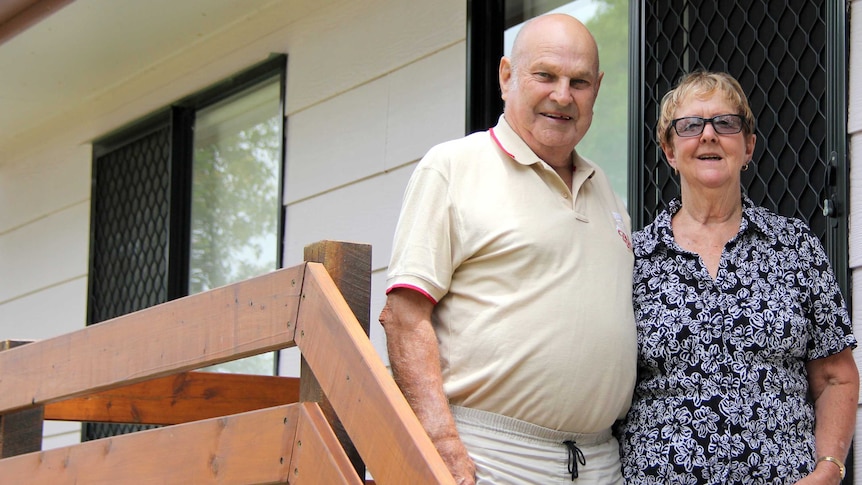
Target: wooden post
[
  {"x": 21, "y": 431},
  {"x": 349, "y": 265}
]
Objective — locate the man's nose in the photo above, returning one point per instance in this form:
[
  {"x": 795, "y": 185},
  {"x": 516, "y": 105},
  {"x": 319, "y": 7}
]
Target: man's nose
[{"x": 562, "y": 93}]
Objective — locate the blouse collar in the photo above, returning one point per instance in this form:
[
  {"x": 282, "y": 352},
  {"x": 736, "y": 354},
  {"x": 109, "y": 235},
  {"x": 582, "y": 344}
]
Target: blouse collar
[{"x": 660, "y": 233}]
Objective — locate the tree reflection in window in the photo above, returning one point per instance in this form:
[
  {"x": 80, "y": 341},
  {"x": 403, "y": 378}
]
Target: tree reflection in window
[
  {"x": 235, "y": 197},
  {"x": 606, "y": 143}
]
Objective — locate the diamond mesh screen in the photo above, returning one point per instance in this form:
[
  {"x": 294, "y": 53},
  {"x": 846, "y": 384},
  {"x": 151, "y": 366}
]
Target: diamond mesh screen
[
  {"x": 130, "y": 237},
  {"x": 777, "y": 52},
  {"x": 130, "y": 221}
]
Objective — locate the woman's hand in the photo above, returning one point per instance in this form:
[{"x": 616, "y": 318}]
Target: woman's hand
[{"x": 825, "y": 473}]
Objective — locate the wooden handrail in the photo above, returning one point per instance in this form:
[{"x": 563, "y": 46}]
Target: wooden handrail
[
  {"x": 212, "y": 327},
  {"x": 21, "y": 431},
  {"x": 349, "y": 266},
  {"x": 191, "y": 396},
  {"x": 251, "y": 448},
  {"x": 148, "y": 352},
  {"x": 363, "y": 394}
]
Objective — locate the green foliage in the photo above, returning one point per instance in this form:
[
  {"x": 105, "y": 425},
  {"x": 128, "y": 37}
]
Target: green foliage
[
  {"x": 607, "y": 142},
  {"x": 235, "y": 211},
  {"x": 235, "y": 207}
]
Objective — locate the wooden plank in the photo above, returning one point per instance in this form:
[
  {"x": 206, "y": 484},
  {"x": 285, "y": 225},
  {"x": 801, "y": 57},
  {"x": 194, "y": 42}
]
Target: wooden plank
[
  {"x": 188, "y": 396},
  {"x": 369, "y": 404},
  {"x": 215, "y": 326},
  {"x": 8, "y": 344},
  {"x": 317, "y": 456},
  {"x": 20, "y": 432},
  {"x": 249, "y": 448},
  {"x": 349, "y": 266}
]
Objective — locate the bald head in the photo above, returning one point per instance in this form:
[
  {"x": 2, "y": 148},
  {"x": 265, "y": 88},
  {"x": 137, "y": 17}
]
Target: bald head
[
  {"x": 549, "y": 86},
  {"x": 553, "y": 28}
]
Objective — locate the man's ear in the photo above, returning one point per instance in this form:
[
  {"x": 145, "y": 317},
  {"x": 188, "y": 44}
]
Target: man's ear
[
  {"x": 599, "y": 81},
  {"x": 505, "y": 74}
]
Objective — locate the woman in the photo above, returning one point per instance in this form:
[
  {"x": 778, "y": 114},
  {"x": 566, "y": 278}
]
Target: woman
[{"x": 744, "y": 338}]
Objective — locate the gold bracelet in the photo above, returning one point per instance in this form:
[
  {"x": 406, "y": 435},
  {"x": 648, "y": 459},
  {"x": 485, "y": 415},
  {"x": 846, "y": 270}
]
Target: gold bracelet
[{"x": 837, "y": 462}]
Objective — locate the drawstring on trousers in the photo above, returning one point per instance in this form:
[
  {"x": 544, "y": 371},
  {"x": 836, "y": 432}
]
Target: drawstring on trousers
[{"x": 575, "y": 456}]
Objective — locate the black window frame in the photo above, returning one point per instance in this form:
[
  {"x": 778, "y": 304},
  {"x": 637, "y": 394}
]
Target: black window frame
[
  {"x": 179, "y": 119},
  {"x": 180, "y": 116}
]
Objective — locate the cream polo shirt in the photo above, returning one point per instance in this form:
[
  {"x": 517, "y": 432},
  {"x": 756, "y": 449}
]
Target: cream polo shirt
[{"x": 532, "y": 284}]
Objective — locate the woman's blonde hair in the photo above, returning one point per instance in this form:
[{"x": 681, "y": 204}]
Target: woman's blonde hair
[{"x": 703, "y": 84}]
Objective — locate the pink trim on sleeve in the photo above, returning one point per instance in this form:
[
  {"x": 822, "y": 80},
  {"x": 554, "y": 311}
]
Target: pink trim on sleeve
[{"x": 414, "y": 288}]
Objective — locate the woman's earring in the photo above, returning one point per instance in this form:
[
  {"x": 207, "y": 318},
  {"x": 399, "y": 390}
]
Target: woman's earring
[{"x": 745, "y": 167}]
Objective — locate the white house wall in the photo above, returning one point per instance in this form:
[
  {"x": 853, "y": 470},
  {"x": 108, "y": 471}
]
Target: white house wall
[
  {"x": 349, "y": 156},
  {"x": 44, "y": 250},
  {"x": 44, "y": 225},
  {"x": 371, "y": 86},
  {"x": 854, "y": 129}
]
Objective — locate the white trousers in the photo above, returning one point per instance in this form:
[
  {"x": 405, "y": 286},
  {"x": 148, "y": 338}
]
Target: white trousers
[{"x": 510, "y": 451}]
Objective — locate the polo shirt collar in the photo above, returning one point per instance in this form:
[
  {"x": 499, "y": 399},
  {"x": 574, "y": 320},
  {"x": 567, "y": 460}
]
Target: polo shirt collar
[{"x": 518, "y": 150}]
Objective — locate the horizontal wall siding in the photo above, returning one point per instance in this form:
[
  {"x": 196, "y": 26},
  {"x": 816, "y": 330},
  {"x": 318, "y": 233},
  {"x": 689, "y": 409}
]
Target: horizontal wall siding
[
  {"x": 392, "y": 86},
  {"x": 58, "y": 434},
  {"x": 351, "y": 43},
  {"x": 854, "y": 128},
  {"x": 56, "y": 177},
  {"x": 58, "y": 308},
  {"x": 48, "y": 251},
  {"x": 336, "y": 142},
  {"x": 376, "y": 127},
  {"x": 365, "y": 211}
]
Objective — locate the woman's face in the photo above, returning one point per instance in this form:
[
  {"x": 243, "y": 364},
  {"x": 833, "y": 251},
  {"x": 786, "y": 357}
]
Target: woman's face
[{"x": 709, "y": 160}]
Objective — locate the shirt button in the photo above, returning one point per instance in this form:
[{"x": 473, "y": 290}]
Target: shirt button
[{"x": 565, "y": 195}]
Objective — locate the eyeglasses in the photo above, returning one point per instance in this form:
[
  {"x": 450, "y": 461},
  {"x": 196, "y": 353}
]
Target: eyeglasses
[{"x": 722, "y": 124}]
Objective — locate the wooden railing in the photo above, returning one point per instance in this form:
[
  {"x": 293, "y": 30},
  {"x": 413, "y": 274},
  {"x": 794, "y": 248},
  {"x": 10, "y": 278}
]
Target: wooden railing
[{"x": 344, "y": 413}]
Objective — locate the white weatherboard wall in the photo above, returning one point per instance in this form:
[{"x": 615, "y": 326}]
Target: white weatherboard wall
[
  {"x": 44, "y": 224},
  {"x": 854, "y": 129},
  {"x": 349, "y": 155},
  {"x": 371, "y": 86}
]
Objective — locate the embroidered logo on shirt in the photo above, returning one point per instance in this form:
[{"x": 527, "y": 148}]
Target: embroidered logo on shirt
[{"x": 621, "y": 229}]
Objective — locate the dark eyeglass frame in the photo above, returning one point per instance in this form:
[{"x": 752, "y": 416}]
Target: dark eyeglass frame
[{"x": 718, "y": 128}]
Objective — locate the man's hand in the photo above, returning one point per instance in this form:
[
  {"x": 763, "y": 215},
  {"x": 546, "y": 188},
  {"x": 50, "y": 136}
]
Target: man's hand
[{"x": 455, "y": 456}]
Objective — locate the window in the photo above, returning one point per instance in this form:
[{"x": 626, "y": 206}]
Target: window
[
  {"x": 189, "y": 199},
  {"x": 235, "y": 197}
]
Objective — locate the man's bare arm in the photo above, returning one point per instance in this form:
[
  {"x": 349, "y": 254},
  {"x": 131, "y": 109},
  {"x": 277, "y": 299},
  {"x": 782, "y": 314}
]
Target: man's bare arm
[{"x": 415, "y": 359}]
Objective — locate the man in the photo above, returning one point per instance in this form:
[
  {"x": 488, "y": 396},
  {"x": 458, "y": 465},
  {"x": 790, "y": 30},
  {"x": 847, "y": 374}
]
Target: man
[{"x": 508, "y": 318}]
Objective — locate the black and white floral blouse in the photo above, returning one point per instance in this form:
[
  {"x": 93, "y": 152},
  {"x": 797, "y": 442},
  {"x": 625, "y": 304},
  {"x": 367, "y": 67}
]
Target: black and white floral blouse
[{"x": 721, "y": 395}]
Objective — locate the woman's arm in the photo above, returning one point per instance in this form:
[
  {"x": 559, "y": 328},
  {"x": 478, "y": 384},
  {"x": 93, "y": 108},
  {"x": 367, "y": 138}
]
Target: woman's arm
[{"x": 834, "y": 386}]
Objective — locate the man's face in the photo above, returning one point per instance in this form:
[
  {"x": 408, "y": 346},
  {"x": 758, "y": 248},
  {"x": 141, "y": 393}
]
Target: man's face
[{"x": 550, "y": 92}]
